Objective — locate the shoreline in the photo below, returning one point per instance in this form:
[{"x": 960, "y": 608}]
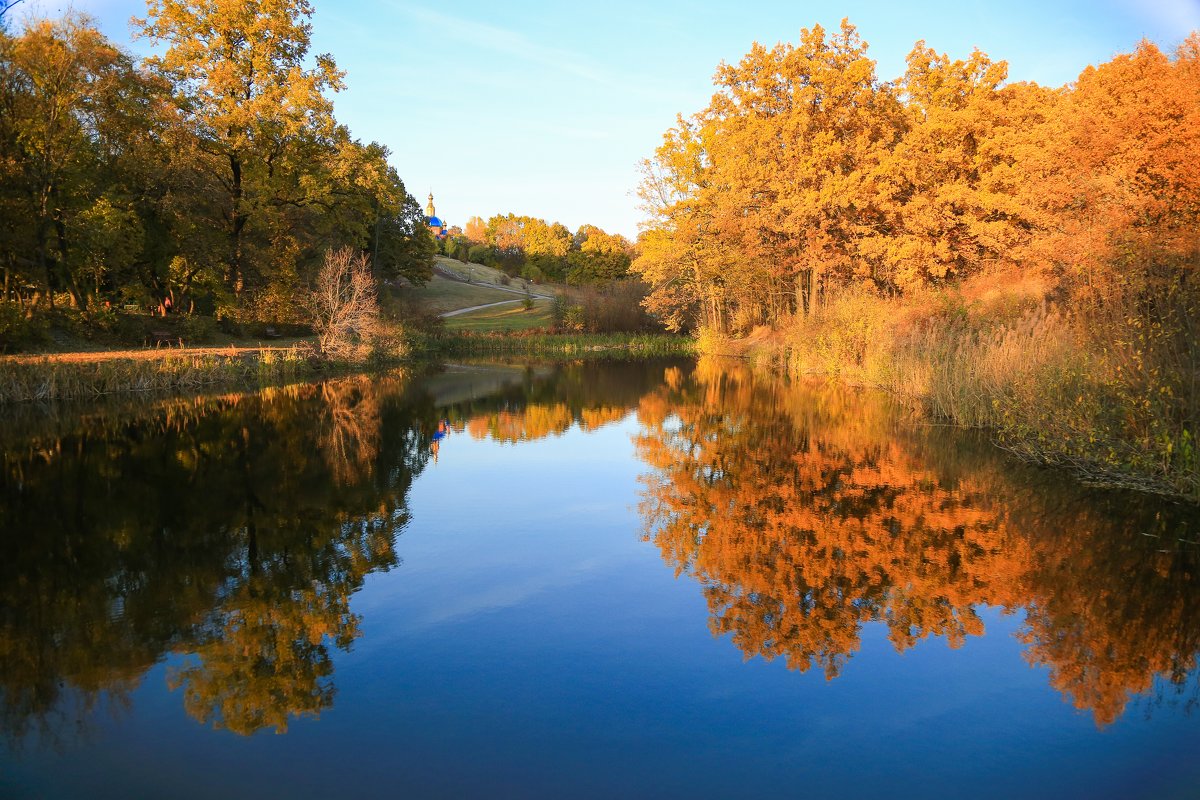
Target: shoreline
[{"x": 47, "y": 377}]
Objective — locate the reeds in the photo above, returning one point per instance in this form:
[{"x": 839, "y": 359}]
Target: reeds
[
  {"x": 53, "y": 378},
  {"x": 1051, "y": 385}
]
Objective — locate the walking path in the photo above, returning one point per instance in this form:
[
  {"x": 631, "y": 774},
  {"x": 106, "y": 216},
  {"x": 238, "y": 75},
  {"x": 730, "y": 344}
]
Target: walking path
[{"x": 469, "y": 309}]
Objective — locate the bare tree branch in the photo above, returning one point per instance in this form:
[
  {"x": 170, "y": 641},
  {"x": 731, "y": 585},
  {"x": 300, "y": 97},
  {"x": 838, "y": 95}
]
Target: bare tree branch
[{"x": 346, "y": 303}]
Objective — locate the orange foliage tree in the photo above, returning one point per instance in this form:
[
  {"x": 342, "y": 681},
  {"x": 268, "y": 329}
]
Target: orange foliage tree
[
  {"x": 806, "y": 173},
  {"x": 806, "y": 512}
]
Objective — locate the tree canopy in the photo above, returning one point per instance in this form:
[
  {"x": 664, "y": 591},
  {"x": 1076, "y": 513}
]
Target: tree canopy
[
  {"x": 213, "y": 174},
  {"x": 807, "y": 173}
]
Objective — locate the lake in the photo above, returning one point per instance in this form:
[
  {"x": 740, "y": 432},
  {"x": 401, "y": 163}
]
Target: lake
[{"x": 595, "y": 579}]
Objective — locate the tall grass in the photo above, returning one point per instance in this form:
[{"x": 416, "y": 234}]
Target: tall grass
[
  {"x": 55, "y": 378},
  {"x": 1056, "y": 386}
]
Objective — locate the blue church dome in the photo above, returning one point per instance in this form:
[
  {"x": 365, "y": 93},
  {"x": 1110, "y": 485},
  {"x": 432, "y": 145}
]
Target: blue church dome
[{"x": 435, "y": 222}]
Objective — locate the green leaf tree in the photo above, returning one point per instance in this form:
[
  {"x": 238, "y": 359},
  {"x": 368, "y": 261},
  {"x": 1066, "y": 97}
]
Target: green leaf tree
[{"x": 243, "y": 84}]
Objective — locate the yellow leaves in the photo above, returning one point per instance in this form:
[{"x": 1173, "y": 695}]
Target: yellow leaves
[
  {"x": 241, "y": 66},
  {"x": 803, "y": 161}
]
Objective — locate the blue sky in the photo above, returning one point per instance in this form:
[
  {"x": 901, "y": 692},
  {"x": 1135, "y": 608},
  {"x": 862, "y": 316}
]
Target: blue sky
[{"x": 546, "y": 108}]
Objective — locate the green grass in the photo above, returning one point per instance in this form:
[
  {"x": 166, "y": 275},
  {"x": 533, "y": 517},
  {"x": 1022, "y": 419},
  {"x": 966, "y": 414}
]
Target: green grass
[
  {"x": 442, "y": 294},
  {"x": 503, "y": 318}
]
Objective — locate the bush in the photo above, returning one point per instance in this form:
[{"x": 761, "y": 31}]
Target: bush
[
  {"x": 19, "y": 330},
  {"x": 477, "y": 253},
  {"x": 612, "y": 308},
  {"x": 197, "y": 329},
  {"x": 1110, "y": 391},
  {"x": 345, "y": 304}
]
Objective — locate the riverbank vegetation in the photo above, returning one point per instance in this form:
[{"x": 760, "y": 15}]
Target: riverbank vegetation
[
  {"x": 1005, "y": 255},
  {"x": 49, "y": 378}
]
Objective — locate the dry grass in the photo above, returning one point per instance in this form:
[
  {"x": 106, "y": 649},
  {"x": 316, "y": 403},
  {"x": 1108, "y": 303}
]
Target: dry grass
[
  {"x": 1052, "y": 386},
  {"x": 61, "y": 377}
]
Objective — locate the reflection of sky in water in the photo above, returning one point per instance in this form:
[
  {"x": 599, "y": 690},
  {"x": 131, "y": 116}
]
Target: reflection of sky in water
[{"x": 530, "y": 643}]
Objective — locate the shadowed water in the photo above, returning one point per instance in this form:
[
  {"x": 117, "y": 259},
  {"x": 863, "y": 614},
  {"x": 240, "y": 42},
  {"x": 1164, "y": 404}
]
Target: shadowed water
[{"x": 653, "y": 578}]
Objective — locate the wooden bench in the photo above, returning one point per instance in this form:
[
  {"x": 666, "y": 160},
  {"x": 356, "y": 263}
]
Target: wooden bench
[
  {"x": 271, "y": 333},
  {"x": 158, "y": 338}
]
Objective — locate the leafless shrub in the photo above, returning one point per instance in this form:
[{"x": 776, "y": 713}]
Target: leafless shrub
[{"x": 345, "y": 304}]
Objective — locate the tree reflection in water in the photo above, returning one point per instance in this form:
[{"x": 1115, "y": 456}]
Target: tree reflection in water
[
  {"x": 229, "y": 533},
  {"x": 232, "y": 529},
  {"x": 805, "y": 512}
]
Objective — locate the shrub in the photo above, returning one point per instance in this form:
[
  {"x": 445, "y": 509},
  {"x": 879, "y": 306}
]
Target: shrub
[
  {"x": 20, "y": 330},
  {"x": 611, "y": 308},
  {"x": 345, "y": 304},
  {"x": 197, "y": 330}
]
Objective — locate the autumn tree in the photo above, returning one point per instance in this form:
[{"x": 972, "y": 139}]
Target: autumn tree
[
  {"x": 476, "y": 230},
  {"x": 258, "y": 111},
  {"x": 529, "y": 245},
  {"x": 74, "y": 106},
  {"x": 1115, "y": 182},
  {"x": 767, "y": 194},
  {"x": 675, "y": 257},
  {"x": 597, "y": 256},
  {"x": 948, "y": 182}
]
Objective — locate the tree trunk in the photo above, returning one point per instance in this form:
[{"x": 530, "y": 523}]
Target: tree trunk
[
  {"x": 237, "y": 224},
  {"x": 60, "y": 228}
]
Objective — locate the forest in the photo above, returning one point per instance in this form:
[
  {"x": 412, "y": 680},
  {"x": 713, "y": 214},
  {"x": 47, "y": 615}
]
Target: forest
[
  {"x": 540, "y": 251},
  {"x": 999, "y": 254},
  {"x": 208, "y": 182},
  {"x": 210, "y": 178}
]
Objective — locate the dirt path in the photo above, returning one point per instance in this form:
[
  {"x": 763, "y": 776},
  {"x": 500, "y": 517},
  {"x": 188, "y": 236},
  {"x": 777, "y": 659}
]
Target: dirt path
[{"x": 469, "y": 309}]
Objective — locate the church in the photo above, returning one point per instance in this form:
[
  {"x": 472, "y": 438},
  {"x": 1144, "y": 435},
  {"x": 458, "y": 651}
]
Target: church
[{"x": 436, "y": 226}]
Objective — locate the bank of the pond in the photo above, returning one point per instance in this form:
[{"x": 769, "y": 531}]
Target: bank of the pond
[
  {"x": 1120, "y": 412},
  {"x": 72, "y": 376},
  {"x": 582, "y": 345}
]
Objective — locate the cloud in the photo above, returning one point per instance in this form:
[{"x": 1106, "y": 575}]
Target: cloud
[
  {"x": 509, "y": 43},
  {"x": 1179, "y": 17}
]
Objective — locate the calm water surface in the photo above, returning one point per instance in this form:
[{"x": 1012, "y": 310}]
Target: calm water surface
[{"x": 605, "y": 579}]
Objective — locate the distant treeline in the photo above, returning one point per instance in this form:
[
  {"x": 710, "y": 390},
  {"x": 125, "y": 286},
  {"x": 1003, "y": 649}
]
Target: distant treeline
[
  {"x": 211, "y": 177},
  {"x": 542, "y": 251}
]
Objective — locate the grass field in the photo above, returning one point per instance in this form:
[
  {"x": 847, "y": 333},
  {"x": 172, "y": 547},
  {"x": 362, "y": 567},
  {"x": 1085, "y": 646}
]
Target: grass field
[
  {"x": 442, "y": 294},
  {"x": 512, "y": 317}
]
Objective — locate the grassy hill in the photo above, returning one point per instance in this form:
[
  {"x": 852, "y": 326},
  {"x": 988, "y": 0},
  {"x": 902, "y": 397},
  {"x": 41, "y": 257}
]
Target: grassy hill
[
  {"x": 512, "y": 317},
  {"x": 457, "y": 284},
  {"x": 442, "y": 294}
]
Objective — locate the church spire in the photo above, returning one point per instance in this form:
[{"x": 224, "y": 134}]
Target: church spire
[{"x": 429, "y": 208}]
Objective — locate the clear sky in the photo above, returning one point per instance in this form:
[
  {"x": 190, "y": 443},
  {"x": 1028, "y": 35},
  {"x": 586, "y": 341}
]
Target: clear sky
[{"x": 545, "y": 108}]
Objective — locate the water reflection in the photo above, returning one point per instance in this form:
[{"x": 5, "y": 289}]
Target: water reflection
[
  {"x": 228, "y": 533},
  {"x": 233, "y": 529},
  {"x": 806, "y": 512}
]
